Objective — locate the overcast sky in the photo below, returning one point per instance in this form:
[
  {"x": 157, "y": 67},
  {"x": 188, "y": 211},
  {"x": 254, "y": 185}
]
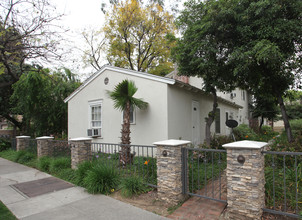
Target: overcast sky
[{"x": 79, "y": 15}]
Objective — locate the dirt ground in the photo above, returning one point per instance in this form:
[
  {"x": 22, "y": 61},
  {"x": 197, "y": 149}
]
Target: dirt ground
[{"x": 147, "y": 201}]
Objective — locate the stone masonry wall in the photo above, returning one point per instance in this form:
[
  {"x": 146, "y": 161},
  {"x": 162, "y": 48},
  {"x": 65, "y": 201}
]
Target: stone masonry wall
[
  {"x": 22, "y": 142},
  {"x": 245, "y": 184},
  {"x": 44, "y": 147},
  {"x": 80, "y": 151},
  {"x": 169, "y": 173}
]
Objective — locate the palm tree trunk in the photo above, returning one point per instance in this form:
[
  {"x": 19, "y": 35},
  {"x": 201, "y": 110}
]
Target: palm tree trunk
[{"x": 125, "y": 154}]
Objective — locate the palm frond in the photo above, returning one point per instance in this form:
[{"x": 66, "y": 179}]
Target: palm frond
[{"x": 123, "y": 93}]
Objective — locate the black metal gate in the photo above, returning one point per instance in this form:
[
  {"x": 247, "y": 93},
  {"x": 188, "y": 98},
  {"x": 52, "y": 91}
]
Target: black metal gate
[
  {"x": 203, "y": 173},
  {"x": 283, "y": 188}
]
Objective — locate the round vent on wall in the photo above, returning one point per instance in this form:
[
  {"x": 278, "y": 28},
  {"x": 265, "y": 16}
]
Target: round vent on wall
[{"x": 106, "y": 80}]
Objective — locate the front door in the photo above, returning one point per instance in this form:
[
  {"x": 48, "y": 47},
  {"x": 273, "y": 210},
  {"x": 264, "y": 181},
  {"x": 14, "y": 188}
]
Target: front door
[{"x": 195, "y": 123}]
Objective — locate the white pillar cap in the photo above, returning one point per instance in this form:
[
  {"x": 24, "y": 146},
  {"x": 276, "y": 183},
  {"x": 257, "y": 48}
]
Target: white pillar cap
[
  {"x": 44, "y": 138},
  {"x": 171, "y": 142},
  {"x": 81, "y": 139},
  {"x": 22, "y": 137},
  {"x": 245, "y": 145}
]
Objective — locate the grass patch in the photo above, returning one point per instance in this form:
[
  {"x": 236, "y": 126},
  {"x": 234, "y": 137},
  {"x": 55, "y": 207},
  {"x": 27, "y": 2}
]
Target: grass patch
[
  {"x": 101, "y": 179},
  {"x": 133, "y": 185},
  {"x": 67, "y": 174},
  {"x": 9, "y": 154},
  {"x": 24, "y": 156},
  {"x": 44, "y": 163},
  {"x": 5, "y": 213},
  {"x": 81, "y": 172},
  {"x": 60, "y": 163}
]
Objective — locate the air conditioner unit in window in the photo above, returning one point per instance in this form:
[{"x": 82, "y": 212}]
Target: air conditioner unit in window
[
  {"x": 94, "y": 132},
  {"x": 233, "y": 95}
]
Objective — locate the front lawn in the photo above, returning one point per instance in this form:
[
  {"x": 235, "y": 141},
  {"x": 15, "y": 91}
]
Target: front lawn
[{"x": 5, "y": 213}]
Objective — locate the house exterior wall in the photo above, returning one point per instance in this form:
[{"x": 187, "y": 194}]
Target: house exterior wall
[
  {"x": 242, "y": 98},
  {"x": 150, "y": 124},
  {"x": 180, "y": 114}
]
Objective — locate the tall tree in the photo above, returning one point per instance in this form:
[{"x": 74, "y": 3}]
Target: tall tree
[
  {"x": 265, "y": 106},
  {"x": 123, "y": 97},
  {"x": 261, "y": 42},
  {"x": 92, "y": 55},
  {"x": 27, "y": 33},
  {"x": 200, "y": 53},
  {"x": 39, "y": 97},
  {"x": 140, "y": 38}
]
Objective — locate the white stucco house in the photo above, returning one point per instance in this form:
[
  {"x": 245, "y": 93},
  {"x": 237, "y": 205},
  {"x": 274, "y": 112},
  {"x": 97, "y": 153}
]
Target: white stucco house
[{"x": 177, "y": 108}]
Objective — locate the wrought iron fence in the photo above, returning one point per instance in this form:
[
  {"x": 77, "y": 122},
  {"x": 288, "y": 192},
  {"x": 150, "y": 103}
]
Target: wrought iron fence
[
  {"x": 283, "y": 188},
  {"x": 13, "y": 143},
  {"x": 203, "y": 173},
  {"x": 32, "y": 146},
  {"x": 140, "y": 160},
  {"x": 60, "y": 148}
]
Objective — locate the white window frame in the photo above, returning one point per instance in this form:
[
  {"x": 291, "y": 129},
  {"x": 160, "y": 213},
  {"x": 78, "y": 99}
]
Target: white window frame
[
  {"x": 134, "y": 117},
  {"x": 95, "y": 103}
]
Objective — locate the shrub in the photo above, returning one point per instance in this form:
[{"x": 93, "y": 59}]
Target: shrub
[
  {"x": 101, "y": 179},
  {"x": 59, "y": 163},
  {"x": 296, "y": 126},
  {"x": 44, "y": 163},
  {"x": 24, "y": 157},
  {"x": 244, "y": 132},
  {"x": 8, "y": 154},
  {"x": 81, "y": 172},
  {"x": 218, "y": 140},
  {"x": 4, "y": 144},
  {"x": 133, "y": 185},
  {"x": 268, "y": 130},
  {"x": 67, "y": 174}
]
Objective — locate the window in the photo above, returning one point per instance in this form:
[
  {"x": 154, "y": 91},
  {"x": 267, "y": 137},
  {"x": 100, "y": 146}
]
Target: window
[
  {"x": 217, "y": 121},
  {"x": 95, "y": 114},
  {"x": 243, "y": 95},
  {"x": 132, "y": 115},
  {"x": 226, "y": 116}
]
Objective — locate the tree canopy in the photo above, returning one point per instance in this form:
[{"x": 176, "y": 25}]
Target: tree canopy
[
  {"x": 39, "y": 97},
  {"x": 27, "y": 33},
  {"x": 200, "y": 53},
  {"x": 260, "y": 42},
  {"x": 140, "y": 37}
]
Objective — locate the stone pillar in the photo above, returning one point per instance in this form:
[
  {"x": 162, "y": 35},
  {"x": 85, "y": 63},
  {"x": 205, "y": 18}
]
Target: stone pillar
[
  {"x": 169, "y": 170},
  {"x": 80, "y": 150},
  {"x": 22, "y": 142},
  {"x": 245, "y": 180},
  {"x": 44, "y": 146}
]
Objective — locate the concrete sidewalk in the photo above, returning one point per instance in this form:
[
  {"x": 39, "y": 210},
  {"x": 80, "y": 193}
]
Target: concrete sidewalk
[{"x": 72, "y": 203}]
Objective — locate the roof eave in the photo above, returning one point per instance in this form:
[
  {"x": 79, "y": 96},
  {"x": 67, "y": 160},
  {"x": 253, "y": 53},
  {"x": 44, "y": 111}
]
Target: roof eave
[{"x": 120, "y": 70}]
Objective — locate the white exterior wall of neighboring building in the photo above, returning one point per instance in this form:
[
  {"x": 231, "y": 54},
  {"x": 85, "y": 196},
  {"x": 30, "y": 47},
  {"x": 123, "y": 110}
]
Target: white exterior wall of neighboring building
[
  {"x": 240, "y": 97},
  {"x": 152, "y": 122},
  {"x": 180, "y": 113}
]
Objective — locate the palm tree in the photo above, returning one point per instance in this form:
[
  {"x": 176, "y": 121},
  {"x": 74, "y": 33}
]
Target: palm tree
[{"x": 122, "y": 95}]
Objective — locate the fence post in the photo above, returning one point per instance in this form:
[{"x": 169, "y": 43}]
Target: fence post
[
  {"x": 44, "y": 146},
  {"x": 245, "y": 179},
  {"x": 22, "y": 142},
  {"x": 80, "y": 150},
  {"x": 169, "y": 170}
]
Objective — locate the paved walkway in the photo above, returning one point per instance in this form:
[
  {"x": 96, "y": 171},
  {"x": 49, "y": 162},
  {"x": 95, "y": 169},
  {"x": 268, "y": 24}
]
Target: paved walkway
[
  {"x": 197, "y": 208},
  {"x": 69, "y": 203}
]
